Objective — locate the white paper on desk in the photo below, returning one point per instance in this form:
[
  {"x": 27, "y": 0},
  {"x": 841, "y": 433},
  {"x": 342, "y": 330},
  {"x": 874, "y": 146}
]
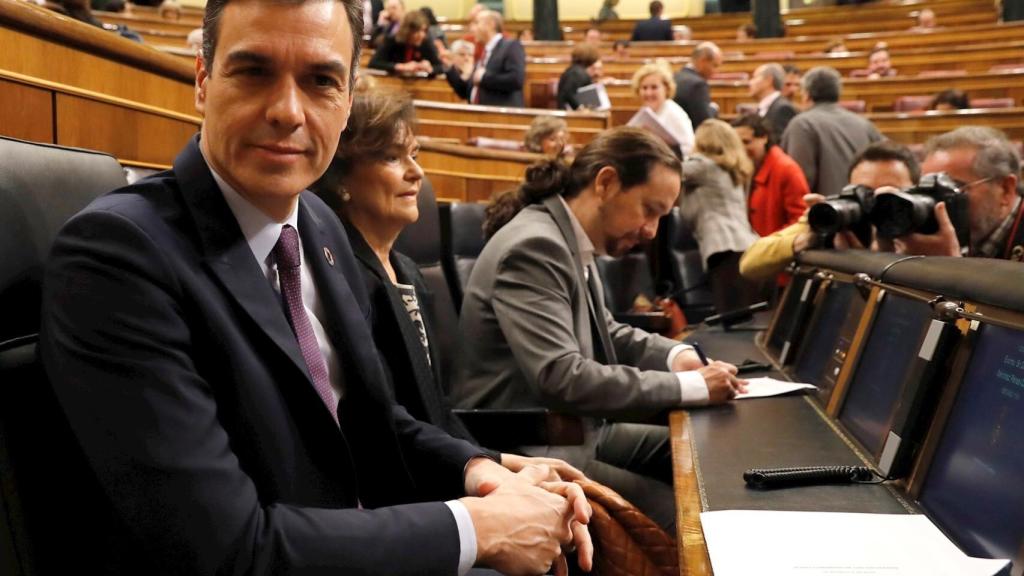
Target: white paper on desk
[
  {"x": 646, "y": 118},
  {"x": 743, "y": 542},
  {"x": 765, "y": 386}
]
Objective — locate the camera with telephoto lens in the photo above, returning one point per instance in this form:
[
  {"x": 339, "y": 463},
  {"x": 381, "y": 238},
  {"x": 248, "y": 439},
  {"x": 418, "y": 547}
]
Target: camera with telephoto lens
[
  {"x": 913, "y": 209},
  {"x": 848, "y": 210}
]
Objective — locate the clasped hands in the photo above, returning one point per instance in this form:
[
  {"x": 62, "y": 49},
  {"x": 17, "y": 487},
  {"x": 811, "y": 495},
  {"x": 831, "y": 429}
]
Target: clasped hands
[{"x": 525, "y": 512}]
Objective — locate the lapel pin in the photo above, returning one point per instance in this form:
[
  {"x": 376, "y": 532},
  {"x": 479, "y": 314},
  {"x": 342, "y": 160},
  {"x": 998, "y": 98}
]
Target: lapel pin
[{"x": 329, "y": 255}]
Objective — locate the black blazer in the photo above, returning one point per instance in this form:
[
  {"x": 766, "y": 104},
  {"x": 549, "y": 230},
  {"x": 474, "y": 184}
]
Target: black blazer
[
  {"x": 574, "y": 78},
  {"x": 174, "y": 361},
  {"x": 502, "y": 82},
  {"x": 415, "y": 380},
  {"x": 693, "y": 95},
  {"x": 652, "y": 30},
  {"x": 778, "y": 116},
  {"x": 393, "y": 52}
]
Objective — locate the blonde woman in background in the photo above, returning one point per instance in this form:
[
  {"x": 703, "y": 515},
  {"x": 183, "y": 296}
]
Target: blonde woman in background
[
  {"x": 654, "y": 85},
  {"x": 714, "y": 205}
]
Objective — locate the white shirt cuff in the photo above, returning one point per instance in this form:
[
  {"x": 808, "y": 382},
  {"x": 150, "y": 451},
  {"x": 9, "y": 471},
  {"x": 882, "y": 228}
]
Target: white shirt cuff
[
  {"x": 467, "y": 533},
  {"x": 675, "y": 352},
  {"x": 693, "y": 390}
]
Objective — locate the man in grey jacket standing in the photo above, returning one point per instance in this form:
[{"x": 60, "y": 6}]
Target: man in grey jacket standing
[{"x": 825, "y": 137}]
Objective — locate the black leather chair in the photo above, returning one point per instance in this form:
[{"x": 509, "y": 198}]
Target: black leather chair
[
  {"x": 463, "y": 238},
  {"x": 681, "y": 269},
  {"x": 51, "y": 506},
  {"x": 497, "y": 429}
]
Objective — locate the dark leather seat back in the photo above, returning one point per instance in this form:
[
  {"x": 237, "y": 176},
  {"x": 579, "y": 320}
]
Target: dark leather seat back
[
  {"x": 625, "y": 278},
  {"x": 462, "y": 229},
  {"x": 421, "y": 241},
  {"x": 683, "y": 270},
  {"x": 51, "y": 505}
]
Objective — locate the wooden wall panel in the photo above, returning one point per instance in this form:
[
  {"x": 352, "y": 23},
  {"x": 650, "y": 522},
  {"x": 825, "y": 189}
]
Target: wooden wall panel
[
  {"x": 32, "y": 56},
  {"x": 127, "y": 134},
  {"x": 26, "y": 112}
]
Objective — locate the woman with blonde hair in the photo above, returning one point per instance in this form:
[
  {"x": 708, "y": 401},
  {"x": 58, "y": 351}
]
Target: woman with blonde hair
[
  {"x": 654, "y": 85},
  {"x": 714, "y": 205}
]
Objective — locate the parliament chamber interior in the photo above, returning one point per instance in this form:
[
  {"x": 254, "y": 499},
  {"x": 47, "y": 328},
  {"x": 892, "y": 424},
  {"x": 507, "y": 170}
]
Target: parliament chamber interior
[{"x": 902, "y": 457}]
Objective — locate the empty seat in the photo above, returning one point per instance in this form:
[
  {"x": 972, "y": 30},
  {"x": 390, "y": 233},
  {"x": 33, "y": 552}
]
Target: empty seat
[
  {"x": 462, "y": 240},
  {"x": 625, "y": 278},
  {"x": 1007, "y": 68},
  {"x": 52, "y": 508},
  {"x": 855, "y": 106},
  {"x": 731, "y": 76},
  {"x": 911, "y": 103},
  {"x": 776, "y": 55},
  {"x": 680, "y": 270},
  {"x": 941, "y": 73},
  {"x": 746, "y": 108}
]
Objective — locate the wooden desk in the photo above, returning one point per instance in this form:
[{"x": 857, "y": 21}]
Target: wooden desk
[{"x": 712, "y": 447}]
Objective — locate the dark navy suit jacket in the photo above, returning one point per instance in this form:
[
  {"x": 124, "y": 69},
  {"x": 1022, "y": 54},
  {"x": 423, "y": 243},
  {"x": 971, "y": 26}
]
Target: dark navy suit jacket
[
  {"x": 502, "y": 82},
  {"x": 179, "y": 373},
  {"x": 652, "y": 30}
]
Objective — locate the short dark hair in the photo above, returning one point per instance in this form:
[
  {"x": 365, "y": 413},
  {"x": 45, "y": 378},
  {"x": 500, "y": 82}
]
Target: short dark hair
[
  {"x": 956, "y": 98},
  {"x": 585, "y": 55},
  {"x": 888, "y": 151},
  {"x": 632, "y": 152},
  {"x": 761, "y": 127},
  {"x": 380, "y": 118},
  {"x": 411, "y": 23},
  {"x": 822, "y": 84},
  {"x": 792, "y": 69},
  {"x": 215, "y": 8},
  {"x": 656, "y": 8}
]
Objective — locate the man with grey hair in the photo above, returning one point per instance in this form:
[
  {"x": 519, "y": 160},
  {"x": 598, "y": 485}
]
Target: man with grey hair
[
  {"x": 497, "y": 79},
  {"x": 766, "y": 85},
  {"x": 825, "y": 137},
  {"x": 986, "y": 167},
  {"x": 692, "y": 91}
]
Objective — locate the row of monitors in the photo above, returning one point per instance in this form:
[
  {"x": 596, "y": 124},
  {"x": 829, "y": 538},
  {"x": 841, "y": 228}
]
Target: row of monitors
[{"x": 939, "y": 403}]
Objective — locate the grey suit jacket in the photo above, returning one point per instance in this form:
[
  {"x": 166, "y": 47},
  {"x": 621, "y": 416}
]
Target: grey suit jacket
[
  {"x": 823, "y": 140},
  {"x": 527, "y": 334},
  {"x": 714, "y": 208}
]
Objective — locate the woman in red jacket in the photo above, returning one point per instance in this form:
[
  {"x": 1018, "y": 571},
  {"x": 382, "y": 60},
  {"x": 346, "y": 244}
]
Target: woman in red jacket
[{"x": 777, "y": 189}]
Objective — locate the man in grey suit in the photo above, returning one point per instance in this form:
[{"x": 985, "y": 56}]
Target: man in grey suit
[
  {"x": 692, "y": 91},
  {"x": 824, "y": 138},
  {"x": 536, "y": 332},
  {"x": 766, "y": 85}
]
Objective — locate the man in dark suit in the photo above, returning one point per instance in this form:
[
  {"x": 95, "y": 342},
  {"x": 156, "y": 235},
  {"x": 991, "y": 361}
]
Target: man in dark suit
[
  {"x": 766, "y": 86},
  {"x": 654, "y": 29},
  {"x": 203, "y": 333},
  {"x": 498, "y": 77},
  {"x": 692, "y": 91}
]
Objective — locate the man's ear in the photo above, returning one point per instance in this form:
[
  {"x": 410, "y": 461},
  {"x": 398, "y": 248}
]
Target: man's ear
[
  {"x": 607, "y": 183},
  {"x": 1009, "y": 186},
  {"x": 202, "y": 75}
]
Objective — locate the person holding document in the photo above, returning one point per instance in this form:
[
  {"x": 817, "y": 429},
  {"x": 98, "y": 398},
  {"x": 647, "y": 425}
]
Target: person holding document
[
  {"x": 655, "y": 87},
  {"x": 585, "y": 70}
]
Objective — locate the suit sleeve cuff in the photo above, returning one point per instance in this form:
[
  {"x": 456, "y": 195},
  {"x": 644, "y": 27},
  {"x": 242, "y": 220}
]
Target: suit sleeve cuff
[
  {"x": 467, "y": 535},
  {"x": 693, "y": 390},
  {"x": 675, "y": 351}
]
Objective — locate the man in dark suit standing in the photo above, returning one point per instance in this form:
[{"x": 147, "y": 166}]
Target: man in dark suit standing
[
  {"x": 203, "y": 333},
  {"x": 766, "y": 85},
  {"x": 498, "y": 77},
  {"x": 654, "y": 29},
  {"x": 692, "y": 91}
]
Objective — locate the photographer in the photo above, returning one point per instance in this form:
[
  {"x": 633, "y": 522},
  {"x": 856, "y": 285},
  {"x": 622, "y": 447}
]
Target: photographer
[
  {"x": 879, "y": 165},
  {"x": 986, "y": 167}
]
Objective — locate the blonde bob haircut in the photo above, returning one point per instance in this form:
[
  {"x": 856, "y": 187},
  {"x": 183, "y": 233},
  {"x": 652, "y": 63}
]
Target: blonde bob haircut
[
  {"x": 717, "y": 141},
  {"x": 662, "y": 70}
]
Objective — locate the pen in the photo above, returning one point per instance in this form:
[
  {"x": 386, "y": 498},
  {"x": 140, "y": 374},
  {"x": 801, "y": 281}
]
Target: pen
[{"x": 700, "y": 354}]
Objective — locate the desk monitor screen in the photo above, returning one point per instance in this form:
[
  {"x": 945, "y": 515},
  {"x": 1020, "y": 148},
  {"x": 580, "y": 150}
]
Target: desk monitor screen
[
  {"x": 788, "y": 309},
  {"x": 823, "y": 333},
  {"x": 974, "y": 488},
  {"x": 889, "y": 352}
]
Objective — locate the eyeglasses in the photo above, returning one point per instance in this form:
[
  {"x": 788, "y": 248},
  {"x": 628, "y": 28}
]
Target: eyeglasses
[{"x": 965, "y": 186}]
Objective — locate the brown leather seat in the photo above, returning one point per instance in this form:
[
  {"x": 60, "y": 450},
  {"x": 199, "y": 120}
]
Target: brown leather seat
[{"x": 626, "y": 542}]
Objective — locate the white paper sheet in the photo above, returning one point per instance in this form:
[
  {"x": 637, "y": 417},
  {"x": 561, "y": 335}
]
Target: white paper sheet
[
  {"x": 765, "y": 386},
  {"x": 646, "y": 118},
  {"x": 741, "y": 543}
]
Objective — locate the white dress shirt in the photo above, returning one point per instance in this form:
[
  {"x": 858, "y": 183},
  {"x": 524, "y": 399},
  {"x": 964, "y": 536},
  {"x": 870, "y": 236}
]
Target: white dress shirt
[
  {"x": 766, "y": 103},
  {"x": 692, "y": 387},
  {"x": 261, "y": 233},
  {"x": 488, "y": 49}
]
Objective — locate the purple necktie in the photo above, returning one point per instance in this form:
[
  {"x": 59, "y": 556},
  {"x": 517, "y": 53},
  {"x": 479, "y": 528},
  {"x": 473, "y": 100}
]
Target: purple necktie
[{"x": 286, "y": 254}]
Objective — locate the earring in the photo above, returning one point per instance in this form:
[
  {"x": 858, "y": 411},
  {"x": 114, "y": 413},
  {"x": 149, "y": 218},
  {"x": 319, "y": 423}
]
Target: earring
[{"x": 345, "y": 196}]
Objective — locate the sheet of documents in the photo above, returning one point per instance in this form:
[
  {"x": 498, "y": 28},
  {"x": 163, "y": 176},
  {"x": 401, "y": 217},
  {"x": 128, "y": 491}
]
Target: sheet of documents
[
  {"x": 743, "y": 542},
  {"x": 765, "y": 386},
  {"x": 646, "y": 118}
]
